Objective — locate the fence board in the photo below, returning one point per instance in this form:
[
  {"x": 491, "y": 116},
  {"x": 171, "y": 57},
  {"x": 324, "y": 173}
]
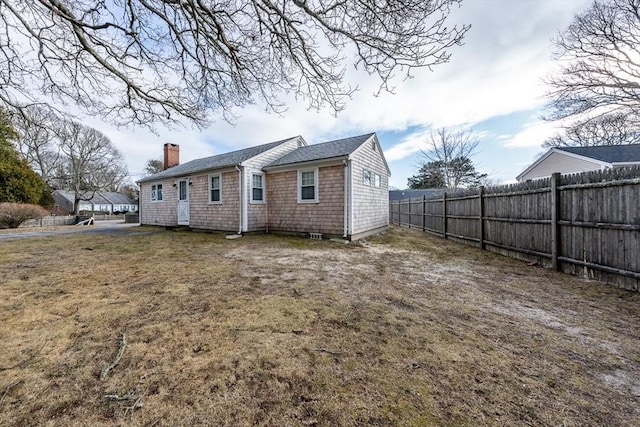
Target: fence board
[{"x": 584, "y": 224}]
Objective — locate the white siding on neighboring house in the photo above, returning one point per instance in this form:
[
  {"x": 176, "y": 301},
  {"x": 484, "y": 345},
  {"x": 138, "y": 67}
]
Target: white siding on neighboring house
[
  {"x": 560, "y": 162},
  {"x": 370, "y": 204}
]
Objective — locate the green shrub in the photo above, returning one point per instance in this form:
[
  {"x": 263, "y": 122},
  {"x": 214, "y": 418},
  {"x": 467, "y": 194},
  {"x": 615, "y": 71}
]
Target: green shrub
[{"x": 14, "y": 214}]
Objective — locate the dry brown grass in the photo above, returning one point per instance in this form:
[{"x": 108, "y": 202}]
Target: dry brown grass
[{"x": 404, "y": 329}]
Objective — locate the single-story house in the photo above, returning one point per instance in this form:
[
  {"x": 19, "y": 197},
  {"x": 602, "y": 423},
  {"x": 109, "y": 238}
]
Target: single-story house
[
  {"x": 100, "y": 201},
  {"x": 568, "y": 160},
  {"x": 337, "y": 188}
]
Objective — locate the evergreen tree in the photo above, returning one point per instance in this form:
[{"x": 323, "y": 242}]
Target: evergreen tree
[
  {"x": 18, "y": 182},
  {"x": 429, "y": 176},
  {"x": 456, "y": 173}
]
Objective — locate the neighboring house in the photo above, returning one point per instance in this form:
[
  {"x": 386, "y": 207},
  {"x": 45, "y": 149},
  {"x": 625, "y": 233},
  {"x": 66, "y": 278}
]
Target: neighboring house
[
  {"x": 337, "y": 188},
  {"x": 429, "y": 193},
  {"x": 567, "y": 160},
  {"x": 101, "y": 201}
]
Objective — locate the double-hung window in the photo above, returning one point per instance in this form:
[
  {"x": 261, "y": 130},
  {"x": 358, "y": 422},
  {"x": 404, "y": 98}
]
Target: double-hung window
[
  {"x": 257, "y": 187},
  {"x": 308, "y": 186},
  {"x": 215, "y": 188},
  {"x": 156, "y": 192},
  {"x": 377, "y": 180}
]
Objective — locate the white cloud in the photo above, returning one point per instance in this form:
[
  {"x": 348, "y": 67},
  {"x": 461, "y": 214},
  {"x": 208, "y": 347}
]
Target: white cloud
[
  {"x": 532, "y": 135},
  {"x": 410, "y": 145},
  {"x": 498, "y": 70}
]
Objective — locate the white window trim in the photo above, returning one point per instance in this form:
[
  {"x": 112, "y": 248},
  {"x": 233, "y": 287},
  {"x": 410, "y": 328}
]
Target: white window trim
[
  {"x": 377, "y": 180},
  {"x": 315, "y": 184},
  {"x": 155, "y": 184},
  {"x": 211, "y": 202},
  {"x": 264, "y": 192}
]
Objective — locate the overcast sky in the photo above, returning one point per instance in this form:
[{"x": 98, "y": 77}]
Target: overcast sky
[{"x": 493, "y": 85}]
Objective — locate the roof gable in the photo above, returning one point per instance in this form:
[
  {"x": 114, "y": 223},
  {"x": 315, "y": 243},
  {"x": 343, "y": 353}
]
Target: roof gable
[
  {"x": 323, "y": 151},
  {"x": 215, "y": 162}
]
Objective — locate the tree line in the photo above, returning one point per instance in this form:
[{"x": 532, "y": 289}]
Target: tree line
[{"x": 43, "y": 152}]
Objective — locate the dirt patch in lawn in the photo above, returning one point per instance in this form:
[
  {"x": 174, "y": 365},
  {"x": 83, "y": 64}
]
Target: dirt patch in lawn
[{"x": 182, "y": 328}]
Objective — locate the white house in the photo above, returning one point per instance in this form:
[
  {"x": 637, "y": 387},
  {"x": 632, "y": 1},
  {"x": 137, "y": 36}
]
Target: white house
[
  {"x": 568, "y": 160},
  {"x": 101, "y": 201}
]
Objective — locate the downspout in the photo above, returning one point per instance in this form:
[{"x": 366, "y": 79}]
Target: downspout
[
  {"x": 239, "y": 169},
  {"x": 346, "y": 198},
  {"x": 351, "y": 226},
  {"x": 266, "y": 203}
]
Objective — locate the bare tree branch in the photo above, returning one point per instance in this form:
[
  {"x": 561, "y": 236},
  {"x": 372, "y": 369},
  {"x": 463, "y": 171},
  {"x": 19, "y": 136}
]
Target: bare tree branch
[
  {"x": 450, "y": 152},
  {"x": 144, "y": 61},
  {"x": 599, "y": 80}
]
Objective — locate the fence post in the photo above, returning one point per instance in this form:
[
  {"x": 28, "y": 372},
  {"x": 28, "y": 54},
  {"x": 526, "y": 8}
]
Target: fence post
[
  {"x": 481, "y": 216},
  {"x": 393, "y": 212},
  {"x": 555, "y": 217},
  {"x": 409, "y": 210},
  {"x": 444, "y": 214},
  {"x": 424, "y": 214}
]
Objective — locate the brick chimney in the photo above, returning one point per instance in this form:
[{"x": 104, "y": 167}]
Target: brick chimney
[{"x": 171, "y": 155}]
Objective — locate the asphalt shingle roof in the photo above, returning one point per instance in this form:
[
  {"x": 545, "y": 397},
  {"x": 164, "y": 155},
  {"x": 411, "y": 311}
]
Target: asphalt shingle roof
[
  {"x": 608, "y": 153},
  {"x": 99, "y": 197},
  {"x": 116, "y": 198},
  {"x": 214, "y": 162},
  {"x": 325, "y": 150}
]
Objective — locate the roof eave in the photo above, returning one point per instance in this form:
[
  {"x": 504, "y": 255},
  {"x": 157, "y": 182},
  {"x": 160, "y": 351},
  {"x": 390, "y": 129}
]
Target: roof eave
[
  {"x": 190, "y": 173},
  {"x": 316, "y": 162}
]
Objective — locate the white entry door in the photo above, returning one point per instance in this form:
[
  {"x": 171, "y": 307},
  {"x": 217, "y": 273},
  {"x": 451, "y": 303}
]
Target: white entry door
[{"x": 183, "y": 202}]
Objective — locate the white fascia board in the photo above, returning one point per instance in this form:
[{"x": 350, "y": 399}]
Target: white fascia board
[{"x": 534, "y": 164}]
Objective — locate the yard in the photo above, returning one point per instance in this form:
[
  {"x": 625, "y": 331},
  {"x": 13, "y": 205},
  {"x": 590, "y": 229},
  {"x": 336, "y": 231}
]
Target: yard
[{"x": 154, "y": 327}]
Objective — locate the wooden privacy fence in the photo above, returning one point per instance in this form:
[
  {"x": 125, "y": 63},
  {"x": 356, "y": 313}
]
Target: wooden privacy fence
[{"x": 585, "y": 224}]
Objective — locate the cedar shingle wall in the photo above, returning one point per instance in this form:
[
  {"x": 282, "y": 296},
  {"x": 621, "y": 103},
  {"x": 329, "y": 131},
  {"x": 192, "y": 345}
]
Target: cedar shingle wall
[
  {"x": 159, "y": 213},
  {"x": 210, "y": 216},
  {"x": 370, "y": 203},
  {"x": 257, "y": 212},
  {"x": 286, "y": 214}
]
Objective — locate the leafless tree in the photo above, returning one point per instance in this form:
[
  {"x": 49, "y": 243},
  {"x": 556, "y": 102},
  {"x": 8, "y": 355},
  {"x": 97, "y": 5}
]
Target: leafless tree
[
  {"x": 91, "y": 162},
  {"x": 37, "y": 139},
  {"x": 599, "y": 82},
  {"x": 612, "y": 129},
  {"x": 140, "y": 61},
  {"x": 451, "y": 150}
]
